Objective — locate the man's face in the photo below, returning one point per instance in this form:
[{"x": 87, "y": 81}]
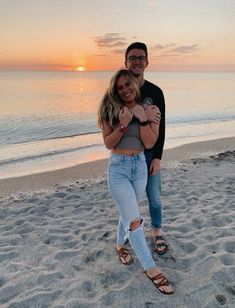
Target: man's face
[{"x": 136, "y": 61}]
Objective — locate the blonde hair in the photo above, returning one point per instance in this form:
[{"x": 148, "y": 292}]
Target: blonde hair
[{"x": 111, "y": 103}]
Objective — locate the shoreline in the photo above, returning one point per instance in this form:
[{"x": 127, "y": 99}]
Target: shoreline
[{"x": 46, "y": 181}]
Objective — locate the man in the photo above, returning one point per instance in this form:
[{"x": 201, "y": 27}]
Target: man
[{"x": 136, "y": 60}]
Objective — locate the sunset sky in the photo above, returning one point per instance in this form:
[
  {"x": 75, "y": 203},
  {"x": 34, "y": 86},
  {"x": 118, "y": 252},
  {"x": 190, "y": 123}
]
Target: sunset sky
[{"x": 93, "y": 34}]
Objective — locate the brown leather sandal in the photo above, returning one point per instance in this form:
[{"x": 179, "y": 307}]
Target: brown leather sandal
[
  {"x": 161, "y": 247},
  {"x": 160, "y": 281},
  {"x": 123, "y": 253}
]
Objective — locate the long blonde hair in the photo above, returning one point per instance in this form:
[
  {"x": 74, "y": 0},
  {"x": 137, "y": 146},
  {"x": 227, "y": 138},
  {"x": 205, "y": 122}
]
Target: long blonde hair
[{"x": 111, "y": 103}]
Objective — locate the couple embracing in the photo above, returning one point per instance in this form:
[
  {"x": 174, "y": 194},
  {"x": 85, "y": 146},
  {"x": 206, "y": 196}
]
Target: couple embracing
[{"x": 132, "y": 118}]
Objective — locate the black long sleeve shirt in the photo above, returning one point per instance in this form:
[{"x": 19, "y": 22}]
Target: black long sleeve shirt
[{"x": 151, "y": 92}]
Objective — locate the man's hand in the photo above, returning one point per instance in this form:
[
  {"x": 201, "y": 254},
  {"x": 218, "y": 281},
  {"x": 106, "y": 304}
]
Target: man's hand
[
  {"x": 154, "y": 166},
  {"x": 139, "y": 113},
  {"x": 153, "y": 113}
]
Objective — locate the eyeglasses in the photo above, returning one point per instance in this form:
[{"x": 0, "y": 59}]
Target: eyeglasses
[{"x": 134, "y": 58}]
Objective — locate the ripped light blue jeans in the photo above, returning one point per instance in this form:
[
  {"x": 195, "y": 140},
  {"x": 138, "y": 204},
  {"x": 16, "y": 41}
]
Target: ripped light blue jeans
[{"x": 127, "y": 179}]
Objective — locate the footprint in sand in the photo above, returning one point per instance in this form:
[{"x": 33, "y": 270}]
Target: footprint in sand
[
  {"x": 93, "y": 256},
  {"x": 220, "y": 299},
  {"x": 231, "y": 289},
  {"x": 24, "y": 228},
  {"x": 113, "y": 280},
  {"x": 226, "y": 260},
  {"x": 106, "y": 235},
  {"x": 8, "y": 293},
  {"x": 88, "y": 286},
  {"x": 64, "y": 255},
  {"x": 2, "y": 281},
  {"x": 229, "y": 247}
]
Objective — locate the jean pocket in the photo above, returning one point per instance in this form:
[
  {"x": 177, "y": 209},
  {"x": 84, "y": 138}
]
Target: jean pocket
[{"x": 114, "y": 161}]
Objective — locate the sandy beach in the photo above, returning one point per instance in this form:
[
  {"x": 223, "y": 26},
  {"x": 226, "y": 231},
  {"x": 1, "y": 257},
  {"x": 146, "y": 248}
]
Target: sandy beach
[{"x": 57, "y": 236}]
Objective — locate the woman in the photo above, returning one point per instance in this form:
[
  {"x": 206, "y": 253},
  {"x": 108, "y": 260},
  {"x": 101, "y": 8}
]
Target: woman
[{"x": 126, "y": 132}]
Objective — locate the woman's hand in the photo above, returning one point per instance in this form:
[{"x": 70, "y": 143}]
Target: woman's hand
[
  {"x": 125, "y": 116},
  {"x": 139, "y": 113},
  {"x": 153, "y": 113}
]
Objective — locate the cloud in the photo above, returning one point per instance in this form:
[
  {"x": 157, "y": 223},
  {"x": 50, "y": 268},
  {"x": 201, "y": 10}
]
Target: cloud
[
  {"x": 171, "y": 50},
  {"x": 159, "y": 46},
  {"x": 118, "y": 51},
  {"x": 185, "y": 49},
  {"x": 168, "y": 55},
  {"x": 110, "y": 40}
]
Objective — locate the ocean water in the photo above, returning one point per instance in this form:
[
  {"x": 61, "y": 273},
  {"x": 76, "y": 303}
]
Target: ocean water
[{"x": 48, "y": 119}]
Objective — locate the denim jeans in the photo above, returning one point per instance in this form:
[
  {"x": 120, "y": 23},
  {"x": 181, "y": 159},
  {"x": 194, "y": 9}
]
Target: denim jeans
[
  {"x": 127, "y": 178},
  {"x": 153, "y": 191}
]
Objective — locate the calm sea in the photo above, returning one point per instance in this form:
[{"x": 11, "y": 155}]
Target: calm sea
[{"x": 48, "y": 119}]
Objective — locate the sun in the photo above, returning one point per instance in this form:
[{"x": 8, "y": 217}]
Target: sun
[{"x": 80, "y": 68}]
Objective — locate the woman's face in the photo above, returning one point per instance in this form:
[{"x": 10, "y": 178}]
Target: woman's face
[{"x": 126, "y": 90}]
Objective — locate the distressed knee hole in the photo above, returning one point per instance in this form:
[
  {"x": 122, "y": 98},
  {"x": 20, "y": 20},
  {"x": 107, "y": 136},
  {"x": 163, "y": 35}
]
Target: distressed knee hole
[{"x": 136, "y": 224}]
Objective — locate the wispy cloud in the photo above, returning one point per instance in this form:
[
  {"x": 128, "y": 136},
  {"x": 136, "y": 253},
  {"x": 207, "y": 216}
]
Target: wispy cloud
[
  {"x": 119, "y": 51},
  {"x": 165, "y": 55},
  {"x": 185, "y": 49},
  {"x": 171, "y": 50},
  {"x": 159, "y": 46},
  {"x": 110, "y": 40}
]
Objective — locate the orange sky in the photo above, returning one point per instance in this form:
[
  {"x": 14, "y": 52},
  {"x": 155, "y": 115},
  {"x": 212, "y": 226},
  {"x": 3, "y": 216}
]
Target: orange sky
[{"x": 63, "y": 35}]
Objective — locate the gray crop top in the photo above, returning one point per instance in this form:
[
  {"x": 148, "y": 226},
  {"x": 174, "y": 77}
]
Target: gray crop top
[{"x": 131, "y": 139}]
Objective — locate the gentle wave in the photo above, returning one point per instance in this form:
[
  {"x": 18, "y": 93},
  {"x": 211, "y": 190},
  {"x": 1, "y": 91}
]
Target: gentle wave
[
  {"x": 13, "y": 135},
  {"x": 200, "y": 119},
  {"x": 44, "y": 155},
  {"x": 44, "y": 138},
  {"x": 178, "y": 120}
]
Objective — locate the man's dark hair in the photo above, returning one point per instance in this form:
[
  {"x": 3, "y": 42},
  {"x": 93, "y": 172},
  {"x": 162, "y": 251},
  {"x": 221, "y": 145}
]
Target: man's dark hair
[{"x": 136, "y": 45}]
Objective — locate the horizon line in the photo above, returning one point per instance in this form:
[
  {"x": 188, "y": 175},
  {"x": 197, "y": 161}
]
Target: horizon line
[{"x": 215, "y": 70}]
